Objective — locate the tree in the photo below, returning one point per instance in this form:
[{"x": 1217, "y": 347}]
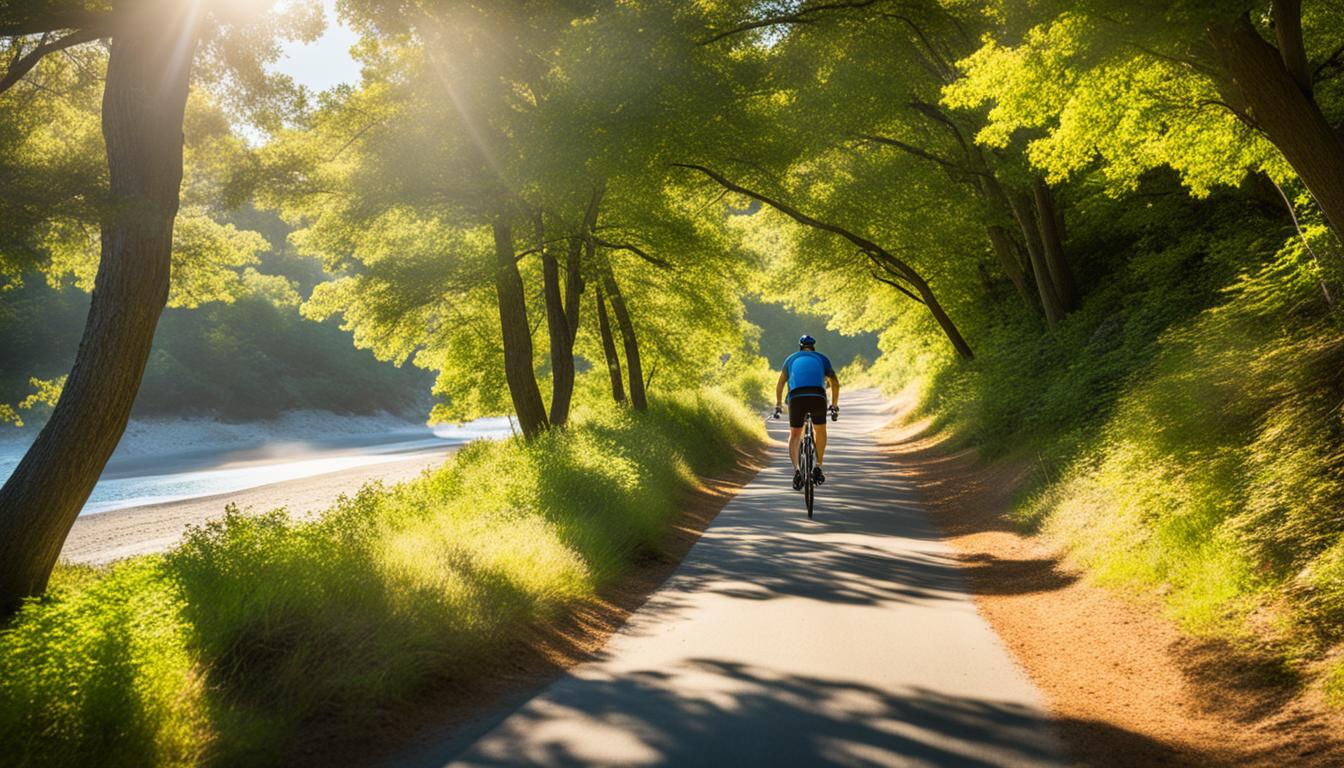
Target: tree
[
  {"x": 149, "y": 70},
  {"x": 866, "y": 76},
  {"x": 453, "y": 136},
  {"x": 1198, "y": 87}
]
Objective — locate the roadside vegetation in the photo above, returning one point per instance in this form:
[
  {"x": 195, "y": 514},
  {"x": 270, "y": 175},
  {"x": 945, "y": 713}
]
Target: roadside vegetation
[
  {"x": 1101, "y": 235},
  {"x": 1174, "y": 375},
  {"x": 259, "y": 625}
]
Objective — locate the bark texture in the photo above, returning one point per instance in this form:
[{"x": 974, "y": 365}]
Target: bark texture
[
  {"x": 144, "y": 99},
  {"x": 516, "y": 334}
]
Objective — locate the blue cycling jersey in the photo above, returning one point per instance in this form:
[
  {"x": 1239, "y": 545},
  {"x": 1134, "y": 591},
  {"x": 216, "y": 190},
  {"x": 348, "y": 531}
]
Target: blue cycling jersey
[{"x": 808, "y": 371}]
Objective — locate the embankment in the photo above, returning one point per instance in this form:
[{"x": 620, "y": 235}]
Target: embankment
[
  {"x": 260, "y": 628},
  {"x": 1128, "y": 684}
]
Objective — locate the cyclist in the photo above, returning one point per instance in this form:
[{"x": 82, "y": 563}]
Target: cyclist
[{"x": 806, "y": 373}]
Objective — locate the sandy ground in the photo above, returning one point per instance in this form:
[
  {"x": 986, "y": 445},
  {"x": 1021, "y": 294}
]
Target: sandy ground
[
  {"x": 1127, "y": 686},
  {"x": 107, "y": 536}
]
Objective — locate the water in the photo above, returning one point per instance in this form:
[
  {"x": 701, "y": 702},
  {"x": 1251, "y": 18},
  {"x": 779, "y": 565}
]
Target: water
[{"x": 193, "y": 468}]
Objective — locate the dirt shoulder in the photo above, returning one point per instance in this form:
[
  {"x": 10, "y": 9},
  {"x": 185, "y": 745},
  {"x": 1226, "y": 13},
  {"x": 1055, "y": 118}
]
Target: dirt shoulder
[
  {"x": 1128, "y": 687},
  {"x": 449, "y": 716}
]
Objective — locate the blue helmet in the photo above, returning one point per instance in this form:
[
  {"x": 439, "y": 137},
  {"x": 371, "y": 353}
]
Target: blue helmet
[{"x": 806, "y": 341}]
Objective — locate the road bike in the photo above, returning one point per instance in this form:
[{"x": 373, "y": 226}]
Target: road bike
[
  {"x": 807, "y": 457},
  {"x": 807, "y": 461}
]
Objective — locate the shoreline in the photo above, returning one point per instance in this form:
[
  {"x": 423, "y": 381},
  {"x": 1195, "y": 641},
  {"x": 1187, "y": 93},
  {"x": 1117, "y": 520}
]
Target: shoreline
[{"x": 102, "y": 537}]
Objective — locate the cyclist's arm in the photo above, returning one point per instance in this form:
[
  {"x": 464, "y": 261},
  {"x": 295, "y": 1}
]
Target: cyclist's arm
[
  {"x": 835, "y": 389},
  {"x": 779, "y": 387}
]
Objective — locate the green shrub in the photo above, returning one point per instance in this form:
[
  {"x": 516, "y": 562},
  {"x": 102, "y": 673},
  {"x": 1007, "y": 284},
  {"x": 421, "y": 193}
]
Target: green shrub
[
  {"x": 1186, "y": 420},
  {"x": 259, "y": 625}
]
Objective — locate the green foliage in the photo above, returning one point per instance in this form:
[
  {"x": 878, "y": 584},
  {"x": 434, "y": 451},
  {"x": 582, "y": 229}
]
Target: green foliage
[
  {"x": 209, "y": 361},
  {"x": 1136, "y": 110},
  {"x": 101, "y": 671},
  {"x": 780, "y": 329},
  {"x": 1184, "y": 421},
  {"x": 1334, "y": 685},
  {"x": 258, "y": 626}
]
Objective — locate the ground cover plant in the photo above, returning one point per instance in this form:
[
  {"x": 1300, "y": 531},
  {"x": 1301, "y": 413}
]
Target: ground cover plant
[
  {"x": 1184, "y": 423},
  {"x": 259, "y": 624}
]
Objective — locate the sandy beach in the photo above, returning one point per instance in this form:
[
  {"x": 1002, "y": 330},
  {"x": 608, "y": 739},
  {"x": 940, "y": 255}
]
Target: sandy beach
[{"x": 108, "y": 536}]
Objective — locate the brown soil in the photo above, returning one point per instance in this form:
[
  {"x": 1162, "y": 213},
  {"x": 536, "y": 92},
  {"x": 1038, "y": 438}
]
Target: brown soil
[
  {"x": 1126, "y": 685},
  {"x": 456, "y": 707}
]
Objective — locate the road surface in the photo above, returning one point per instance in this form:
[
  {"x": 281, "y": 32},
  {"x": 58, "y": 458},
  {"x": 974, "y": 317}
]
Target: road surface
[{"x": 779, "y": 641}]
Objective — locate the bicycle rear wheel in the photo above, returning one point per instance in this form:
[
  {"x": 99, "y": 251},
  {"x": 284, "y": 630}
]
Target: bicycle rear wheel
[{"x": 808, "y": 461}]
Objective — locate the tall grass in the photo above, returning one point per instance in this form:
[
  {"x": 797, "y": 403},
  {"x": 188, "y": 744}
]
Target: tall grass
[
  {"x": 1186, "y": 423},
  {"x": 257, "y": 626}
]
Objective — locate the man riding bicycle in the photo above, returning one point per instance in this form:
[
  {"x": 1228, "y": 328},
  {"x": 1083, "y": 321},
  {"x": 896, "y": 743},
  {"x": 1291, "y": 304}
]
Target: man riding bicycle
[{"x": 806, "y": 373}]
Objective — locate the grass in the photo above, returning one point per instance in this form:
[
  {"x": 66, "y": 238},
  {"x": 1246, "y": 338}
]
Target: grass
[
  {"x": 1187, "y": 425},
  {"x": 258, "y": 626}
]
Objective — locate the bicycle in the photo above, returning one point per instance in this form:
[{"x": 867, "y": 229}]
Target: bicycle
[
  {"x": 807, "y": 457},
  {"x": 807, "y": 461}
]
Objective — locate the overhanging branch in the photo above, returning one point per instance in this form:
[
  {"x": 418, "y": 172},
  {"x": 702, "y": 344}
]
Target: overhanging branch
[
  {"x": 879, "y": 278},
  {"x": 641, "y": 253},
  {"x": 24, "y": 64},
  {"x": 890, "y": 263},
  {"x": 804, "y": 15},
  {"x": 802, "y": 218}
]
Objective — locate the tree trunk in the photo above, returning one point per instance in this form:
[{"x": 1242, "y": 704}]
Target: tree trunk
[
  {"x": 995, "y": 201},
  {"x": 579, "y": 246},
  {"x": 1047, "y": 221},
  {"x": 574, "y": 265},
  {"x": 940, "y": 315},
  {"x": 516, "y": 335},
  {"x": 1026, "y": 221},
  {"x": 609, "y": 349},
  {"x": 1256, "y": 78},
  {"x": 573, "y": 287},
  {"x": 144, "y": 99},
  {"x": 560, "y": 332},
  {"x": 1003, "y": 248},
  {"x": 628, "y": 337}
]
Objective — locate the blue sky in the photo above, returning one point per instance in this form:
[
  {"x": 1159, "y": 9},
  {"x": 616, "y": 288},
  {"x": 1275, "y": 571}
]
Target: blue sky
[{"x": 324, "y": 62}]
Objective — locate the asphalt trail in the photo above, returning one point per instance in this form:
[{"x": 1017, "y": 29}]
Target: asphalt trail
[{"x": 845, "y": 640}]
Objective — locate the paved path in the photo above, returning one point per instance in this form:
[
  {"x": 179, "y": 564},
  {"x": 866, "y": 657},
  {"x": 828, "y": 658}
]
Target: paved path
[{"x": 779, "y": 641}]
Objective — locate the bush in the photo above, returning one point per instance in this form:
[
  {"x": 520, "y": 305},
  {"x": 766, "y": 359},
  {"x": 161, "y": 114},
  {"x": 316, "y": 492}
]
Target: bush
[
  {"x": 1186, "y": 419},
  {"x": 259, "y": 625}
]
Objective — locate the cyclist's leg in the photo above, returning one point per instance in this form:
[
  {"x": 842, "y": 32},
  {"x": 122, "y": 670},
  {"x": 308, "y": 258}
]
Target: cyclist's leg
[
  {"x": 819, "y": 433},
  {"x": 797, "y": 414}
]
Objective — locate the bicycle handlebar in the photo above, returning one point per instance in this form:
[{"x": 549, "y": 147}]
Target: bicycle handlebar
[{"x": 834, "y": 410}]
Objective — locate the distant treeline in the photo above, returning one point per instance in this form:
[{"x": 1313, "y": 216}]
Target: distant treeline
[
  {"x": 250, "y": 359},
  {"x": 781, "y": 327}
]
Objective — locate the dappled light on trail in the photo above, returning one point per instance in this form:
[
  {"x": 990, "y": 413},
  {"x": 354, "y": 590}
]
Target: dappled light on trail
[{"x": 848, "y": 639}]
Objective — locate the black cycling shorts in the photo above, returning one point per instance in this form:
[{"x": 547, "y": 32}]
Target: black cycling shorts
[{"x": 801, "y": 405}]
